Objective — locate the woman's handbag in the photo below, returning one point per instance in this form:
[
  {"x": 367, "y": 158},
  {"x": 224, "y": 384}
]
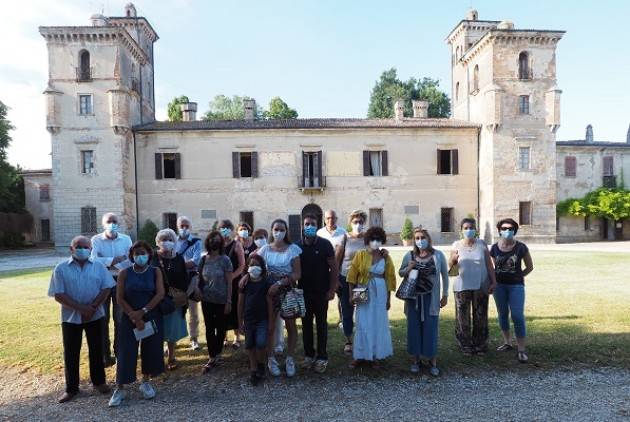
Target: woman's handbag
[
  {"x": 292, "y": 305},
  {"x": 179, "y": 296},
  {"x": 359, "y": 295},
  {"x": 407, "y": 289},
  {"x": 167, "y": 305}
]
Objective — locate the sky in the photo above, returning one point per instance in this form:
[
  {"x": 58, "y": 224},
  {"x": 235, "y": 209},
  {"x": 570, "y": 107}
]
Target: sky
[{"x": 321, "y": 56}]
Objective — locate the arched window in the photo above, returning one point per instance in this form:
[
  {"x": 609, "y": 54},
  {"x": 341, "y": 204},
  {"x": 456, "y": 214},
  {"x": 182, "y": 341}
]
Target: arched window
[
  {"x": 457, "y": 56},
  {"x": 457, "y": 91},
  {"x": 523, "y": 66},
  {"x": 476, "y": 78},
  {"x": 84, "y": 66}
]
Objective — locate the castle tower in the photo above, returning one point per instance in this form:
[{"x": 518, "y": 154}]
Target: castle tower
[
  {"x": 100, "y": 84},
  {"x": 505, "y": 79}
]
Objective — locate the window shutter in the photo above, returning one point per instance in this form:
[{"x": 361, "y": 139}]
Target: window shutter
[
  {"x": 254, "y": 164},
  {"x": 608, "y": 166},
  {"x": 295, "y": 227},
  {"x": 439, "y": 162},
  {"x": 570, "y": 166},
  {"x": 366, "y": 163},
  {"x": 92, "y": 220},
  {"x": 85, "y": 220},
  {"x": 455, "y": 161},
  {"x": 304, "y": 166},
  {"x": 384, "y": 164},
  {"x": 319, "y": 166},
  {"x": 236, "y": 170},
  {"x": 178, "y": 165},
  {"x": 158, "y": 165}
]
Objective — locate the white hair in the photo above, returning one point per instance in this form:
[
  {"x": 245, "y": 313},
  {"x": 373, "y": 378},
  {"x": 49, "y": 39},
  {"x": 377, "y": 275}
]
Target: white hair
[
  {"x": 182, "y": 218},
  {"x": 106, "y": 217},
  {"x": 166, "y": 234},
  {"x": 76, "y": 239}
]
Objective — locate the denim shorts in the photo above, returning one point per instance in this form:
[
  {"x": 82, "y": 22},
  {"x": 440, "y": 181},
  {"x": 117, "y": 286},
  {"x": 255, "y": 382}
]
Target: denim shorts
[{"x": 256, "y": 335}]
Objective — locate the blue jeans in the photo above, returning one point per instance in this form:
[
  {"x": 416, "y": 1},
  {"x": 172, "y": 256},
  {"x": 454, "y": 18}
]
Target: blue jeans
[
  {"x": 347, "y": 310},
  {"x": 510, "y": 300},
  {"x": 256, "y": 335}
]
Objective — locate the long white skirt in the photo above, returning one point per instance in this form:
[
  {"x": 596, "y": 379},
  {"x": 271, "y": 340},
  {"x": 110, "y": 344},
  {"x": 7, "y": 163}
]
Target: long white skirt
[{"x": 372, "y": 337}]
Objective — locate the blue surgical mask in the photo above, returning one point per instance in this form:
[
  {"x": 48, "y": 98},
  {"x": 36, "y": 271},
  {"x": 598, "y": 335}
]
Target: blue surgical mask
[
  {"x": 310, "y": 231},
  {"x": 184, "y": 233},
  {"x": 168, "y": 245},
  {"x": 111, "y": 227},
  {"x": 225, "y": 232},
  {"x": 469, "y": 233},
  {"x": 243, "y": 234},
  {"x": 141, "y": 260},
  {"x": 81, "y": 254},
  {"x": 422, "y": 243},
  {"x": 507, "y": 234},
  {"x": 260, "y": 242}
]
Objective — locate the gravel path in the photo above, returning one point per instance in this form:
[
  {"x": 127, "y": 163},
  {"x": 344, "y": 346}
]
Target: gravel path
[{"x": 558, "y": 395}]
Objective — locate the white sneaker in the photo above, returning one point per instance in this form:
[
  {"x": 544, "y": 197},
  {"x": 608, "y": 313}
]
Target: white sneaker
[
  {"x": 278, "y": 350},
  {"x": 116, "y": 398},
  {"x": 147, "y": 390},
  {"x": 414, "y": 368},
  {"x": 274, "y": 368},
  {"x": 289, "y": 366},
  {"x": 308, "y": 363},
  {"x": 194, "y": 345},
  {"x": 320, "y": 366}
]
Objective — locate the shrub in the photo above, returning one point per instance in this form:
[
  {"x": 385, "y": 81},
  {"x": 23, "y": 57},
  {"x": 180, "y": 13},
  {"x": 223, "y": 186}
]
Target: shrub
[
  {"x": 148, "y": 232},
  {"x": 406, "y": 233}
]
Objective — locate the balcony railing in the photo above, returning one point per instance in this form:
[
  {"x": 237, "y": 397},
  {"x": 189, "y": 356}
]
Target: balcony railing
[
  {"x": 84, "y": 74},
  {"x": 310, "y": 183},
  {"x": 609, "y": 181}
]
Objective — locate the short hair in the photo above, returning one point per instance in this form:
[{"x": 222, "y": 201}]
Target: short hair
[
  {"x": 333, "y": 212},
  {"x": 106, "y": 217},
  {"x": 425, "y": 232},
  {"x": 245, "y": 225},
  {"x": 260, "y": 233},
  {"x": 261, "y": 261},
  {"x": 468, "y": 220},
  {"x": 309, "y": 216},
  {"x": 509, "y": 221},
  {"x": 140, "y": 244},
  {"x": 182, "y": 218},
  {"x": 225, "y": 224},
  {"x": 357, "y": 214},
  {"x": 375, "y": 233},
  {"x": 206, "y": 242},
  {"x": 169, "y": 234},
  {"x": 77, "y": 239},
  {"x": 287, "y": 239}
]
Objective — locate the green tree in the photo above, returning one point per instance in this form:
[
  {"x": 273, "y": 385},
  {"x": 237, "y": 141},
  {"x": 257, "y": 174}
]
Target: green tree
[
  {"x": 226, "y": 108},
  {"x": 11, "y": 183},
  {"x": 148, "y": 232},
  {"x": 429, "y": 90},
  {"x": 174, "y": 110},
  {"x": 612, "y": 204},
  {"x": 406, "y": 233},
  {"x": 278, "y": 109}
]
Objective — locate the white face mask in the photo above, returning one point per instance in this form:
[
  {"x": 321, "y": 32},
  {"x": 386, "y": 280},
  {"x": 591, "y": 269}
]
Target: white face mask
[
  {"x": 243, "y": 234},
  {"x": 278, "y": 235},
  {"x": 184, "y": 233},
  {"x": 375, "y": 244},
  {"x": 167, "y": 245},
  {"x": 260, "y": 242},
  {"x": 254, "y": 271},
  {"x": 357, "y": 227}
]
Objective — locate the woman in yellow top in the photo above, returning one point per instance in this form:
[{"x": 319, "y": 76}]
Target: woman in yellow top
[{"x": 373, "y": 269}]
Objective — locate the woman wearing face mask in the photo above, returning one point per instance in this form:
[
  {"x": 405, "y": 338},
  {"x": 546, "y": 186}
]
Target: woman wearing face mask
[
  {"x": 215, "y": 283},
  {"x": 369, "y": 268},
  {"x": 234, "y": 250},
  {"x": 423, "y": 312},
  {"x": 352, "y": 243},
  {"x": 508, "y": 255},
  {"x": 260, "y": 239},
  {"x": 283, "y": 265},
  {"x": 474, "y": 282},
  {"x": 139, "y": 291},
  {"x": 175, "y": 276},
  {"x": 246, "y": 239}
]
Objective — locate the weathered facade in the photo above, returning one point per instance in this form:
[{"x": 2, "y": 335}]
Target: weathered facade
[{"x": 38, "y": 195}]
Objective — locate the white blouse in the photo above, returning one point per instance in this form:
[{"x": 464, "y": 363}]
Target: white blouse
[{"x": 279, "y": 262}]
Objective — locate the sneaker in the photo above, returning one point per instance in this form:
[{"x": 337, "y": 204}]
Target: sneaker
[
  {"x": 278, "y": 350},
  {"x": 414, "y": 368},
  {"x": 147, "y": 390},
  {"x": 194, "y": 345},
  {"x": 434, "y": 371},
  {"x": 274, "y": 368},
  {"x": 289, "y": 366},
  {"x": 117, "y": 398},
  {"x": 321, "y": 365},
  {"x": 308, "y": 363}
]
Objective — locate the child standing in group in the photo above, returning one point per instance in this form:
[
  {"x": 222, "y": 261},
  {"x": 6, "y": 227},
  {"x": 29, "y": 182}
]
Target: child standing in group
[{"x": 255, "y": 310}]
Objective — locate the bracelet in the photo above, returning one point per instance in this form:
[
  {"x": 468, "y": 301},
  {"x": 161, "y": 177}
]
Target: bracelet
[{"x": 145, "y": 310}]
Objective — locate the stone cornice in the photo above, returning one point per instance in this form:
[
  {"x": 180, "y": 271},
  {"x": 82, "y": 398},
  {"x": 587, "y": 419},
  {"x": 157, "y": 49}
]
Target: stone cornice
[
  {"x": 131, "y": 22},
  {"x": 467, "y": 24},
  {"x": 94, "y": 34},
  {"x": 504, "y": 36}
]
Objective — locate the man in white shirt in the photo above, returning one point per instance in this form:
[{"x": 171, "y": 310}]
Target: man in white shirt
[
  {"x": 111, "y": 249},
  {"x": 335, "y": 235},
  {"x": 81, "y": 285}
]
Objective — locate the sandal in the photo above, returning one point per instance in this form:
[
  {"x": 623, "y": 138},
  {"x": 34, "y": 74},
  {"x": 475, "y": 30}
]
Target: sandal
[
  {"x": 347, "y": 349},
  {"x": 236, "y": 344},
  {"x": 504, "y": 347},
  {"x": 522, "y": 357},
  {"x": 171, "y": 365},
  {"x": 208, "y": 366}
]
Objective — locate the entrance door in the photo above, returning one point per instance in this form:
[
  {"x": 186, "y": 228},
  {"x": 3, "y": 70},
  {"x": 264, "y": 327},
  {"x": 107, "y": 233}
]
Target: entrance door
[
  {"x": 618, "y": 230},
  {"x": 376, "y": 217},
  {"x": 316, "y": 211},
  {"x": 604, "y": 227}
]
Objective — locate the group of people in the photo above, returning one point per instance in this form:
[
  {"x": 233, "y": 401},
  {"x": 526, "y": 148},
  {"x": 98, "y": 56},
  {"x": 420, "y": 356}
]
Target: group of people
[{"x": 247, "y": 281}]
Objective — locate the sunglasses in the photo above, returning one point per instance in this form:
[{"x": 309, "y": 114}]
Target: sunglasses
[{"x": 506, "y": 228}]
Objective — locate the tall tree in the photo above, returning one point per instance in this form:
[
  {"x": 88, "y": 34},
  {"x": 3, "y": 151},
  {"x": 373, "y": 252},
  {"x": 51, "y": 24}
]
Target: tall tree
[
  {"x": 11, "y": 183},
  {"x": 174, "y": 110},
  {"x": 429, "y": 90},
  {"x": 226, "y": 108},
  {"x": 278, "y": 109}
]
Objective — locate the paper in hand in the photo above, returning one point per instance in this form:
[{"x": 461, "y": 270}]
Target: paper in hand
[{"x": 149, "y": 329}]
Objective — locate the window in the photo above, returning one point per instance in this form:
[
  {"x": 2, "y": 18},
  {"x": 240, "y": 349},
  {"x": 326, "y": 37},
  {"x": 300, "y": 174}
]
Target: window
[
  {"x": 295, "y": 227},
  {"x": 524, "y": 72},
  {"x": 608, "y": 166},
  {"x": 168, "y": 165},
  {"x": 376, "y": 217},
  {"x": 88, "y": 220},
  {"x": 84, "y": 71},
  {"x": 523, "y": 104},
  {"x": 525, "y": 213},
  {"x": 44, "y": 193},
  {"x": 523, "y": 158},
  {"x": 457, "y": 54},
  {"x": 85, "y": 104},
  {"x": 587, "y": 223},
  {"x": 475, "y": 87},
  {"x": 87, "y": 162},
  {"x": 446, "y": 220},
  {"x": 570, "y": 166},
  {"x": 169, "y": 220},
  {"x": 457, "y": 91},
  {"x": 447, "y": 161},
  {"x": 247, "y": 217},
  {"x": 244, "y": 164},
  {"x": 375, "y": 163},
  {"x": 45, "y": 230},
  {"x": 312, "y": 170}
]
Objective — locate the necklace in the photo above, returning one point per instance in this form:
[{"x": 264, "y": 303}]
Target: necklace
[{"x": 146, "y": 267}]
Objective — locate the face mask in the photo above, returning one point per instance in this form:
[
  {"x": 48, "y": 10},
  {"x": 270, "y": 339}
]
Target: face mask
[
  {"x": 225, "y": 232},
  {"x": 375, "y": 244},
  {"x": 507, "y": 234},
  {"x": 184, "y": 233},
  {"x": 141, "y": 260},
  {"x": 310, "y": 231},
  {"x": 469, "y": 233},
  {"x": 243, "y": 234},
  {"x": 278, "y": 235},
  {"x": 254, "y": 271},
  {"x": 81, "y": 254},
  {"x": 111, "y": 227},
  {"x": 260, "y": 242},
  {"x": 167, "y": 245},
  {"x": 422, "y": 243},
  {"x": 357, "y": 228}
]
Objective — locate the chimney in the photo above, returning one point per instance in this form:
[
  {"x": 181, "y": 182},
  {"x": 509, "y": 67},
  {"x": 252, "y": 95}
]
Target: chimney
[
  {"x": 472, "y": 15},
  {"x": 399, "y": 109},
  {"x": 189, "y": 111},
  {"x": 589, "y": 134},
  {"x": 420, "y": 109},
  {"x": 249, "y": 104}
]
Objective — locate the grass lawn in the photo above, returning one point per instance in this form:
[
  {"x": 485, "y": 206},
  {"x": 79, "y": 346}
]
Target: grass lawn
[{"x": 576, "y": 309}]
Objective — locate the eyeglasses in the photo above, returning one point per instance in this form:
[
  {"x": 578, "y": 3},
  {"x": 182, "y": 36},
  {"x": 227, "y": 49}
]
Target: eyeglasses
[{"x": 506, "y": 228}]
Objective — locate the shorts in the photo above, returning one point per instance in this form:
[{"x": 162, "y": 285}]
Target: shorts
[{"x": 256, "y": 335}]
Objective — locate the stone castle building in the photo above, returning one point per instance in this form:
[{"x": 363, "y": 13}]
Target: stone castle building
[{"x": 496, "y": 157}]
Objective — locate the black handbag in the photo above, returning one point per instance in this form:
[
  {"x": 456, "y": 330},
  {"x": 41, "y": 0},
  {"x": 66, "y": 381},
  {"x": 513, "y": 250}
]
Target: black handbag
[{"x": 167, "y": 305}]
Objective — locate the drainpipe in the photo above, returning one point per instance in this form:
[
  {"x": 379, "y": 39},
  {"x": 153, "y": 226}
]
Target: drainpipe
[{"x": 135, "y": 175}]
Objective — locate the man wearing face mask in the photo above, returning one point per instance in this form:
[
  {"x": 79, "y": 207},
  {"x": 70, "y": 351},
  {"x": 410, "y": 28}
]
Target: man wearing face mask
[
  {"x": 319, "y": 281},
  {"x": 81, "y": 285},
  {"x": 189, "y": 248},
  {"x": 111, "y": 248}
]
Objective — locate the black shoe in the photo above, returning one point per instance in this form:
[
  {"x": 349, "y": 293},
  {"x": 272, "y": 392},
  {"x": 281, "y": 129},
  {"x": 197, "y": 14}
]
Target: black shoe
[
  {"x": 66, "y": 397},
  {"x": 253, "y": 378},
  {"x": 260, "y": 371},
  {"x": 109, "y": 361}
]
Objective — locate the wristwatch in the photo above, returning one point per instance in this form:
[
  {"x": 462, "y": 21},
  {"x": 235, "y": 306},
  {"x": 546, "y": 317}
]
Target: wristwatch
[{"x": 145, "y": 310}]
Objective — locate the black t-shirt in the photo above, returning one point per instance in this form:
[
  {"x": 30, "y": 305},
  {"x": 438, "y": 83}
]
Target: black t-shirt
[
  {"x": 507, "y": 265},
  {"x": 315, "y": 269},
  {"x": 256, "y": 300},
  {"x": 174, "y": 271}
]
